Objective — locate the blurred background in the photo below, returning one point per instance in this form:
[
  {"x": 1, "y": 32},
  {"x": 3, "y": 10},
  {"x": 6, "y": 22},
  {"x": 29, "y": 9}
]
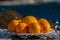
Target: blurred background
[
  {"x": 14, "y": 2},
  {"x": 49, "y": 9}
]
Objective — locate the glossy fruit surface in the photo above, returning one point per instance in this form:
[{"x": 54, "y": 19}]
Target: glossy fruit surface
[
  {"x": 29, "y": 19},
  {"x": 12, "y": 25},
  {"x": 34, "y": 28},
  {"x": 21, "y": 28},
  {"x": 45, "y": 25}
]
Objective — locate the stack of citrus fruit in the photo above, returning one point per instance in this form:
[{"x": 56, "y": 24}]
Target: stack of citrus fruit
[{"x": 29, "y": 24}]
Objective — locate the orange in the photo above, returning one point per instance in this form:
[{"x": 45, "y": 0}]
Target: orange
[
  {"x": 34, "y": 28},
  {"x": 29, "y": 19},
  {"x": 45, "y": 25},
  {"x": 21, "y": 28},
  {"x": 12, "y": 25}
]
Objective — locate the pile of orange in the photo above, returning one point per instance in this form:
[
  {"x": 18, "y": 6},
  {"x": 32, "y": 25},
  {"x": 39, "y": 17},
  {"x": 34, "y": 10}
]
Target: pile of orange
[{"x": 29, "y": 24}]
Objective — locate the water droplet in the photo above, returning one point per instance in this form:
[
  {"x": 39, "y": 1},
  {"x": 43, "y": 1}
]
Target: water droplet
[
  {"x": 2, "y": 9},
  {"x": 57, "y": 22},
  {"x": 56, "y": 26}
]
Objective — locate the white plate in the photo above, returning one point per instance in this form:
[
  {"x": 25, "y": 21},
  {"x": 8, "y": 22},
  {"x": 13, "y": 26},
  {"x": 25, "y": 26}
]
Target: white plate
[{"x": 26, "y": 35}]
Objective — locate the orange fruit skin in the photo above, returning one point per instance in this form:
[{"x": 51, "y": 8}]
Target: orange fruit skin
[
  {"x": 45, "y": 25},
  {"x": 34, "y": 28},
  {"x": 29, "y": 19},
  {"x": 21, "y": 28},
  {"x": 12, "y": 25}
]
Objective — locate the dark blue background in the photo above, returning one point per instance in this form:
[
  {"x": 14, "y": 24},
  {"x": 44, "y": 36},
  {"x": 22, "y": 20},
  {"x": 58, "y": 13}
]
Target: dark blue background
[{"x": 50, "y": 11}]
